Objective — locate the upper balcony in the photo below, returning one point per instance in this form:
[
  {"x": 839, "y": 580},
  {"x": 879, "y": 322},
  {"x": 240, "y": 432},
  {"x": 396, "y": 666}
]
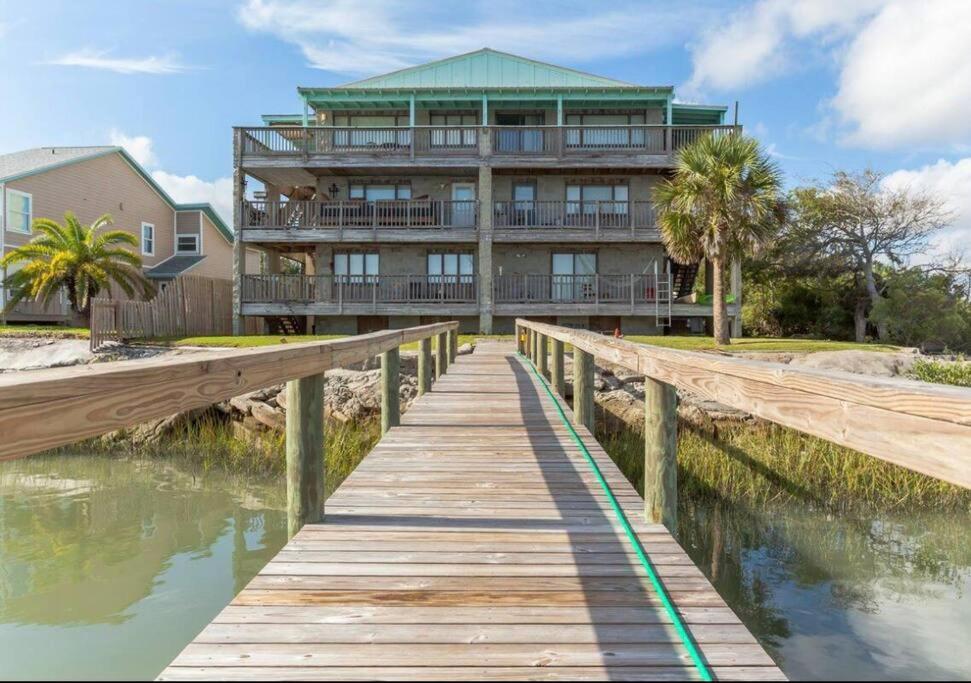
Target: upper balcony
[{"x": 509, "y": 146}]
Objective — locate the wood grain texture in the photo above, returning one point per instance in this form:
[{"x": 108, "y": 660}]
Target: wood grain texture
[
  {"x": 923, "y": 427},
  {"x": 305, "y": 451},
  {"x": 43, "y": 409},
  {"x": 474, "y": 542}
]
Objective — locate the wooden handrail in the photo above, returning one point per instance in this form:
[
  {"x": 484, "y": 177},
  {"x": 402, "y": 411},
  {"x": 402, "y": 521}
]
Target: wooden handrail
[
  {"x": 923, "y": 427},
  {"x": 43, "y": 409}
]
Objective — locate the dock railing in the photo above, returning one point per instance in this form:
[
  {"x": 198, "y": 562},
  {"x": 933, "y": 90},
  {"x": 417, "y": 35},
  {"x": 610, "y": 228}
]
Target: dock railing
[
  {"x": 43, "y": 409},
  {"x": 922, "y": 427}
]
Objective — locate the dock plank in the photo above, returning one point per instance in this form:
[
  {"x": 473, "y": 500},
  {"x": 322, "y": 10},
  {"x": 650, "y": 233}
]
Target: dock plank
[{"x": 474, "y": 543}]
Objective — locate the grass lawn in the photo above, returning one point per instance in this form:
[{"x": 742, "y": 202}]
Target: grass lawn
[
  {"x": 754, "y": 344},
  {"x": 251, "y": 341},
  {"x": 53, "y": 331}
]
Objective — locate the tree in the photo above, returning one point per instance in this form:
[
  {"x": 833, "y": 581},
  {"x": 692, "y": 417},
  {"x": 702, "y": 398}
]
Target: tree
[
  {"x": 921, "y": 305},
  {"x": 82, "y": 259},
  {"x": 722, "y": 202},
  {"x": 858, "y": 221}
]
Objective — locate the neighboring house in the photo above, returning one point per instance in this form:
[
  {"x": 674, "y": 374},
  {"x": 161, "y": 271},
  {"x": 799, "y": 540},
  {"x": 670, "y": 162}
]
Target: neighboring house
[
  {"x": 174, "y": 239},
  {"x": 480, "y": 188}
]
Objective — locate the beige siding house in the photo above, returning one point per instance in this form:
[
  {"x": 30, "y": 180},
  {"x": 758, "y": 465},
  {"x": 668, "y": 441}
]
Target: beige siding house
[{"x": 173, "y": 239}]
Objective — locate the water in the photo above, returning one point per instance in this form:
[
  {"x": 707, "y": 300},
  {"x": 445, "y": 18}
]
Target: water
[
  {"x": 109, "y": 567},
  {"x": 847, "y": 597}
]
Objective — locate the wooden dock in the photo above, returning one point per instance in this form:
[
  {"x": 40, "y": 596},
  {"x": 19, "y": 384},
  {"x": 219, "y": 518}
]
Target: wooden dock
[{"x": 475, "y": 542}]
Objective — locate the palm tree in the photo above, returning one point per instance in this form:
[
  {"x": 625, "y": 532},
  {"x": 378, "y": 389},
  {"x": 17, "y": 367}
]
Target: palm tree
[
  {"x": 723, "y": 200},
  {"x": 82, "y": 259}
]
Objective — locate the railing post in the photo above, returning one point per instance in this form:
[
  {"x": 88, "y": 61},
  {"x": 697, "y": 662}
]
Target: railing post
[
  {"x": 583, "y": 388},
  {"x": 390, "y": 407},
  {"x": 661, "y": 453},
  {"x": 543, "y": 350},
  {"x": 556, "y": 368},
  {"x": 453, "y": 345},
  {"x": 305, "y": 452},
  {"x": 441, "y": 355},
  {"x": 424, "y": 366}
]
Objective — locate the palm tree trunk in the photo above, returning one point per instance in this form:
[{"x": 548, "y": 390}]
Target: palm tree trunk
[{"x": 719, "y": 308}]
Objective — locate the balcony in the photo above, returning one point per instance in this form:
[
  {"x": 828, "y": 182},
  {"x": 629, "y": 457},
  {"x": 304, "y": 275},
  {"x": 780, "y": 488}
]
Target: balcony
[
  {"x": 319, "y": 221},
  {"x": 360, "y": 294},
  {"x": 574, "y": 220},
  {"x": 505, "y": 144}
]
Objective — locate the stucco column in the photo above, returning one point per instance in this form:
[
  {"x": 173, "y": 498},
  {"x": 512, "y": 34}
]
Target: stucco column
[
  {"x": 485, "y": 249},
  {"x": 736, "y": 289},
  {"x": 322, "y": 272},
  {"x": 239, "y": 250}
]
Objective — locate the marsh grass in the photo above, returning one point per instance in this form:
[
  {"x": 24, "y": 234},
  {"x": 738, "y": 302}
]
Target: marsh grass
[
  {"x": 765, "y": 463},
  {"x": 212, "y": 442},
  {"x": 958, "y": 374}
]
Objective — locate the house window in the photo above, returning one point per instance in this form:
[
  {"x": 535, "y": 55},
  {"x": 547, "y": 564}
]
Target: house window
[
  {"x": 19, "y": 211},
  {"x": 187, "y": 244},
  {"x": 451, "y": 267},
  {"x": 373, "y": 193},
  {"x": 386, "y": 131},
  {"x": 456, "y": 136},
  {"x": 356, "y": 266},
  {"x": 584, "y": 199},
  {"x": 148, "y": 239}
]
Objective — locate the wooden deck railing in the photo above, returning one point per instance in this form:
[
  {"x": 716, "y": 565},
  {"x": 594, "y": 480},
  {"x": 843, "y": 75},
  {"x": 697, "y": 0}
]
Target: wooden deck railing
[
  {"x": 591, "y": 215},
  {"x": 923, "y": 427},
  {"x": 44, "y": 409},
  {"x": 633, "y": 288},
  {"x": 421, "y": 214},
  {"x": 471, "y": 141},
  {"x": 350, "y": 289}
]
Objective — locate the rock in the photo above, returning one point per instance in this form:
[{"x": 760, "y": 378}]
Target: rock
[
  {"x": 872, "y": 363},
  {"x": 465, "y": 349},
  {"x": 268, "y": 415}
]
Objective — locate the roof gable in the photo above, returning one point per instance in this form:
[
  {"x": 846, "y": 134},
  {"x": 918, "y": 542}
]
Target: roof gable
[{"x": 487, "y": 68}]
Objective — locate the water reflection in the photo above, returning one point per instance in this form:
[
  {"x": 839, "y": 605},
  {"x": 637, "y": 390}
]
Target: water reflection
[
  {"x": 847, "y": 596},
  {"x": 119, "y": 563}
]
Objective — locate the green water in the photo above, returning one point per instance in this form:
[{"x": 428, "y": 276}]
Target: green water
[{"x": 109, "y": 567}]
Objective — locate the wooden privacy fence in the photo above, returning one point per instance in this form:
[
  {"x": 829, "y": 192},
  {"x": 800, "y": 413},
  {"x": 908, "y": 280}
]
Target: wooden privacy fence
[
  {"x": 189, "y": 305},
  {"x": 923, "y": 427}
]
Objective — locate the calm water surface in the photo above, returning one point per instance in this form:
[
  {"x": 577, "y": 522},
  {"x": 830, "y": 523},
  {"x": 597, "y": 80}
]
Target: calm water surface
[{"x": 109, "y": 567}]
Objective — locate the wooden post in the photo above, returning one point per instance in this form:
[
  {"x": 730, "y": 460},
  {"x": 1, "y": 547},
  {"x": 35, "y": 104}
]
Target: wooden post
[
  {"x": 556, "y": 368},
  {"x": 424, "y": 366},
  {"x": 661, "y": 453},
  {"x": 441, "y": 355},
  {"x": 453, "y": 345},
  {"x": 583, "y": 388},
  {"x": 390, "y": 408},
  {"x": 533, "y": 344},
  {"x": 543, "y": 350},
  {"x": 305, "y": 452}
]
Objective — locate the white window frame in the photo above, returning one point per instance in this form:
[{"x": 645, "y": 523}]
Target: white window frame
[
  {"x": 146, "y": 252},
  {"x": 195, "y": 250},
  {"x": 8, "y": 208}
]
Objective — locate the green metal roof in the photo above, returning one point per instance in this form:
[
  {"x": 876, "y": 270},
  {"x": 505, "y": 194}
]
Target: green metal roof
[{"x": 487, "y": 68}]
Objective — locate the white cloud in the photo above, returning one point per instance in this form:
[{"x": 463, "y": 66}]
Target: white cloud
[
  {"x": 139, "y": 146},
  {"x": 906, "y": 77},
  {"x": 950, "y": 181},
  {"x": 100, "y": 59},
  {"x": 757, "y": 42},
  {"x": 191, "y": 189},
  {"x": 375, "y": 36}
]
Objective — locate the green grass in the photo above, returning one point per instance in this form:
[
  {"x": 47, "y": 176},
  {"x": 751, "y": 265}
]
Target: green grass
[
  {"x": 252, "y": 341},
  {"x": 758, "y": 344},
  {"x": 766, "y": 463},
  {"x": 50, "y": 331},
  {"x": 958, "y": 374}
]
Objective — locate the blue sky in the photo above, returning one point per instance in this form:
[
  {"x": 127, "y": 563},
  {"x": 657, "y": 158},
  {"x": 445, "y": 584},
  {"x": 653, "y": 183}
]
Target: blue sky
[{"x": 824, "y": 84}]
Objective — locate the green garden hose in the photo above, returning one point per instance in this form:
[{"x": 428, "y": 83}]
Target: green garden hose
[{"x": 635, "y": 542}]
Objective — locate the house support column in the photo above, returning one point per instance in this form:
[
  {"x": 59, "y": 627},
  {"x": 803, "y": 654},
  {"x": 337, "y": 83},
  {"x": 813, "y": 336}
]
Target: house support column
[
  {"x": 736, "y": 289},
  {"x": 485, "y": 249},
  {"x": 239, "y": 249},
  {"x": 323, "y": 282}
]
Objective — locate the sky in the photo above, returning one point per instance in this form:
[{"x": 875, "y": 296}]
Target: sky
[{"x": 823, "y": 84}]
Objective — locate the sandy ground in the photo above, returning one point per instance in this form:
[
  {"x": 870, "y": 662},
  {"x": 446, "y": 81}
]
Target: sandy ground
[{"x": 29, "y": 353}]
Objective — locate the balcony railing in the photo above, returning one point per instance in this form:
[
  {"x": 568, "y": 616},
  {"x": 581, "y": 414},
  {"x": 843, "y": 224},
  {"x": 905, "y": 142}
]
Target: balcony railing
[
  {"x": 424, "y": 214},
  {"x": 588, "y": 215},
  {"x": 471, "y": 141},
  {"x": 630, "y": 288},
  {"x": 360, "y": 289}
]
